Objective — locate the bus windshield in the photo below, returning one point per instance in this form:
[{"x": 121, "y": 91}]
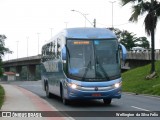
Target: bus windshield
[{"x": 93, "y": 60}]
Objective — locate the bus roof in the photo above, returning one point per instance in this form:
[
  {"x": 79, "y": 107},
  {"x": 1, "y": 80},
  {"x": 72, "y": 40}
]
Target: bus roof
[{"x": 89, "y": 33}]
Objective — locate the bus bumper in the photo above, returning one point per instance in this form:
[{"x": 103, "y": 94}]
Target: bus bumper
[{"x": 78, "y": 94}]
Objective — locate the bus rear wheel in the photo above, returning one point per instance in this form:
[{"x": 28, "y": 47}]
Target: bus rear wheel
[
  {"x": 107, "y": 101},
  {"x": 48, "y": 94}
]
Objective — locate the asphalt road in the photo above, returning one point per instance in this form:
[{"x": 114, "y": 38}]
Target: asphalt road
[{"x": 128, "y": 102}]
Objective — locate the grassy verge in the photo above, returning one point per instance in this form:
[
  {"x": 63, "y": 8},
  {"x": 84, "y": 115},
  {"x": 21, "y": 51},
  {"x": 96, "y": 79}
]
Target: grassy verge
[
  {"x": 134, "y": 81},
  {"x": 1, "y": 96}
]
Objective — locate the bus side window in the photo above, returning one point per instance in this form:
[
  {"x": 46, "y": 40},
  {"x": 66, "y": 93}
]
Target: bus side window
[
  {"x": 53, "y": 49},
  {"x": 58, "y": 48},
  {"x": 43, "y": 54}
]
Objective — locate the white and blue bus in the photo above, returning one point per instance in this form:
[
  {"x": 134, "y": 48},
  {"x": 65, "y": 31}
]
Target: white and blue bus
[{"x": 83, "y": 63}]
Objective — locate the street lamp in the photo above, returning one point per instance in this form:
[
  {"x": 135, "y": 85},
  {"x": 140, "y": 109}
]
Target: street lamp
[
  {"x": 84, "y": 15},
  {"x": 112, "y": 2},
  {"x": 17, "y": 48},
  {"x": 66, "y": 24},
  {"x": 38, "y": 42},
  {"x": 27, "y": 45},
  {"x": 51, "y": 31},
  {"x": 85, "y": 19}
]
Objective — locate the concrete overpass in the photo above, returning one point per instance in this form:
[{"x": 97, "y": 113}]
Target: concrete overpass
[
  {"x": 140, "y": 58},
  {"x": 29, "y": 62},
  {"x": 134, "y": 59}
]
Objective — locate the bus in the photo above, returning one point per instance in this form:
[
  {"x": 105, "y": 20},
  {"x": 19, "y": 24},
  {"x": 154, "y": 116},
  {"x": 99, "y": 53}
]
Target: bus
[{"x": 82, "y": 64}]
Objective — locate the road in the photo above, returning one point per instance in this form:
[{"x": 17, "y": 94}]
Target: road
[{"x": 128, "y": 102}]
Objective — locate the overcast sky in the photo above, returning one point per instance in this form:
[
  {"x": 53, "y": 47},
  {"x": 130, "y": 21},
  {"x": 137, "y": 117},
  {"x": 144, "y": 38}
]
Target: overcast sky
[{"x": 28, "y": 20}]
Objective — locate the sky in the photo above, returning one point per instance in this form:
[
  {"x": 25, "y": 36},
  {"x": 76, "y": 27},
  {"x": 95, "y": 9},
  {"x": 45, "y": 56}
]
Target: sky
[{"x": 28, "y": 24}]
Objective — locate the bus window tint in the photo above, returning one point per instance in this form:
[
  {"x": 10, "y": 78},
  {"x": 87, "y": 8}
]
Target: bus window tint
[
  {"x": 106, "y": 56},
  {"x": 80, "y": 54},
  {"x": 92, "y": 59}
]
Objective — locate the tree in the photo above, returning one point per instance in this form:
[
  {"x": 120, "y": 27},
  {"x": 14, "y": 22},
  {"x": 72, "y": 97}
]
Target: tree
[
  {"x": 142, "y": 42},
  {"x": 129, "y": 39},
  {"x": 152, "y": 9},
  {"x": 3, "y": 50}
]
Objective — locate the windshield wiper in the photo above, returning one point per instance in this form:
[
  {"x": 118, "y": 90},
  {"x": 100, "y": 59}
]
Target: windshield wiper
[
  {"x": 102, "y": 69},
  {"x": 86, "y": 70}
]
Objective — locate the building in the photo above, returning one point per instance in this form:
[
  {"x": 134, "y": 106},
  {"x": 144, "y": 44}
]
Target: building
[{"x": 9, "y": 76}]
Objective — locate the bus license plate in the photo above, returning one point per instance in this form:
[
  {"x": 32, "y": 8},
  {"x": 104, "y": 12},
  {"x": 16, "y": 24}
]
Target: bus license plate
[{"x": 96, "y": 94}]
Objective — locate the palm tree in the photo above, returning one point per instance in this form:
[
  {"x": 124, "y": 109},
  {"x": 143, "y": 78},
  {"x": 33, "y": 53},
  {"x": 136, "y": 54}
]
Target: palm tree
[{"x": 152, "y": 9}]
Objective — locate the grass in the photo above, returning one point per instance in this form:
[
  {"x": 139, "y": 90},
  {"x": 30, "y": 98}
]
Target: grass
[
  {"x": 2, "y": 93},
  {"x": 134, "y": 80}
]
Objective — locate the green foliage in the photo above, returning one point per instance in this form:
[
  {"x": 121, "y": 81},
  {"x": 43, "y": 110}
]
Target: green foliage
[
  {"x": 3, "y": 50},
  {"x": 130, "y": 40},
  {"x": 134, "y": 81},
  {"x": 1, "y": 70},
  {"x": 1, "y": 96},
  {"x": 142, "y": 6},
  {"x": 142, "y": 42},
  {"x": 124, "y": 2}
]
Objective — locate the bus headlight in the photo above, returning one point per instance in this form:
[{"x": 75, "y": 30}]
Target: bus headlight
[
  {"x": 117, "y": 85},
  {"x": 73, "y": 86}
]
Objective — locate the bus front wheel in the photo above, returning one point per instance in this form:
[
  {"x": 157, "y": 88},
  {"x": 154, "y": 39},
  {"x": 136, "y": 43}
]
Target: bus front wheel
[
  {"x": 65, "y": 101},
  {"x": 107, "y": 101}
]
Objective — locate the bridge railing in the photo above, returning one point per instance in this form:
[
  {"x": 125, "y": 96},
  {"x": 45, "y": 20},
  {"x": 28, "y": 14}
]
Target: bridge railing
[
  {"x": 32, "y": 60},
  {"x": 143, "y": 55},
  {"x": 24, "y": 59}
]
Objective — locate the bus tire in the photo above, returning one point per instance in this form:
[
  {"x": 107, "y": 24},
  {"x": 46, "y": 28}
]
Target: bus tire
[
  {"x": 107, "y": 101},
  {"x": 64, "y": 101},
  {"x": 48, "y": 94}
]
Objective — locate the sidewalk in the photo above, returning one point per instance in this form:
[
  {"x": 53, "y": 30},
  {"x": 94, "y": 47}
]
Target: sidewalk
[{"x": 19, "y": 99}]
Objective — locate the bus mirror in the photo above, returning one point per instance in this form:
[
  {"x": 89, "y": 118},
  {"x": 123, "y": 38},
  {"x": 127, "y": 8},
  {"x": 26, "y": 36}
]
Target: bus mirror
[
  {"x": 124, "y": 52},
  {"x": 64, "y": 53}
]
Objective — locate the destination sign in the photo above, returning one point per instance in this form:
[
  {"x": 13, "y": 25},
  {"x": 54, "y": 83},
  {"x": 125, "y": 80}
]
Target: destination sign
[{"x": 81, "y": 42}]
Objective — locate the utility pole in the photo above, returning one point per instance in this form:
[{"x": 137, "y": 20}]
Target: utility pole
[
  {"x": 112, "y": 2},
  {"x": 66, "y": 24},
  {"x": 27, "y": 45},
  {"x": 94, "y": 23},
  {"x": 17, "y": 48},
  {"x": 85, "y": 19},
  {"x": 51, "y": 31},
  {"x": 38, "y": 42}
]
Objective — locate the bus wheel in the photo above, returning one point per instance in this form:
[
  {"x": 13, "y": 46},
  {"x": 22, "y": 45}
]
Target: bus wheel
[
  {"x": 65, "y": 101},
  {"x": 48, "y": 94},
  {"x": 107, "y": 101}
]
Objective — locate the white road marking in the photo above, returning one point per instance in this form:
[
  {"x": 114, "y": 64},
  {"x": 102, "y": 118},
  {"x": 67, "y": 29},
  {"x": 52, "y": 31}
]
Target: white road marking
[{"x": 139, "y": 108}]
